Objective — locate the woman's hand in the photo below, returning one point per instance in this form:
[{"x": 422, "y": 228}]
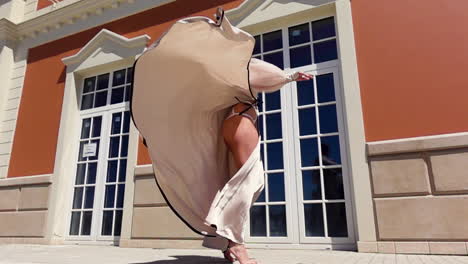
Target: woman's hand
[{"x": 304, "y": 77}]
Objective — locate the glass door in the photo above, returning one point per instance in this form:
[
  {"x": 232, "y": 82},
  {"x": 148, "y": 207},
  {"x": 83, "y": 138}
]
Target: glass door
[{"x": 101, "y": 164}]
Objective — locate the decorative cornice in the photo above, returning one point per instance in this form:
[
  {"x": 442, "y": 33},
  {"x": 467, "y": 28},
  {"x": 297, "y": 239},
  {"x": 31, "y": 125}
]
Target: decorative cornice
[
  {"x": 96, "y": 42},
  {"x": 67, "y": 13},
  {"x": 8, "y": 30},
  {"x": 235, "y": 15}
]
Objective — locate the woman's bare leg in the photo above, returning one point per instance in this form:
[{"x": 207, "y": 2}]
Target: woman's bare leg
[{"x": 241, "y": 137}]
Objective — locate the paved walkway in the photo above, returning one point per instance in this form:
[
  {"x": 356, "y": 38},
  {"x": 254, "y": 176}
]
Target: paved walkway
[{"x": 106, "y": 254}]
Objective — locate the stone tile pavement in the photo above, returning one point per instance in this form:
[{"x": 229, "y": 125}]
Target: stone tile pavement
[{"x": 65, "y": 254}]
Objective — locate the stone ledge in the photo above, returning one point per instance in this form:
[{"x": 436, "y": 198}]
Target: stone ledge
[
  {"x": 162, "y": 243},
  {"x": 414, "y": 247},
  {"x": 448, "y": 248},
  {"x": 24, "y": 240},
  {"x": 144, "y": 170},
  {"x": 418, "y": 144},
  {"x": 27, "y": 180}
]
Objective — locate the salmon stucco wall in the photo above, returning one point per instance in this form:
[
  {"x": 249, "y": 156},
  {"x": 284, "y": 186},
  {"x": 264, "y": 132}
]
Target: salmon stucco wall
[
  {"x": 35, "y": 140},
  {"x": 44, "y": 3},
  {"x": 412, "y": 62}
]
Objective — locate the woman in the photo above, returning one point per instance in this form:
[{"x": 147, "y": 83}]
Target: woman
[
  {"x": 241, "y": 137},
  {"x": 193, "y": 101}
]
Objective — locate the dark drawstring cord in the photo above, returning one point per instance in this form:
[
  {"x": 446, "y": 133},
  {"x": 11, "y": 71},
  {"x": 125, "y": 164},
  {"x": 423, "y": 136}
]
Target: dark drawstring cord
[{"x": 256, "y": 103}]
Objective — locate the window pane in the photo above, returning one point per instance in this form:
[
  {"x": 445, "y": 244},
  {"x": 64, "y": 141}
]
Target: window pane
[
  {"x": 275, "y": 155},
  {"x": 325, "y": 51},
  {"x": 309, "y": 152},
  {"x": 130, "y": 75},
  {"x": 86, "y": 225},
  {"x": 273, "y": 101},
  {"x": 313, "y": 220},
  {"x": 87, "y": 101},
  {"x": 95, "y": 141},
  {"x": 118, "y": 223},
  {"x": 75, "y": 223},
  {"x": 89, "y": 84},
  {"x": 330, "y": 150},
  {"x": 305, "y": 92},
  {"x": 273, "y": 125},
  {"x": 300, "y": 56},
  {"x": 101, "y": 99},
  {"x": 110, "y": 196},
  {"x": 299, "y": 34},
  {"x": 116, "y": 123},
  {"x": 324, "y": 28},
  {"x": 275, "y": 58},
  {"x": 276, "y": 187},
  {"x": 126, "y": 124},
  {"x": 78, "y": 198},
  {"x": 117, "y": 95},
  {"x": 277, "y": 215},
  {"x": 258, "y": 221},
  {"x": 272, "y": 41},
  {"x": 311, "y": 187},
  {"x": 325, "y": 88},
  {"x": 112, "y": 171},
  {"x": 333, "y": 184},
  {"x": 97, "y": 126},
  {"x": 127, "y": 93},
  {"x": 89, "y": 197},
  {"x": 122, "y": 170},
  {"x": 328, "y": 122},
  {"x": 336, "y": 220},
  {"x": 85, "y": 128},
  {"x": 91, "y": 178},
  {"x": 114, "y": 147},
  {"x": 103, "y": 81},
  {"x": 120, "y": 195},
  {"x": 107, "y": 219},
  {"x": 80, "y": 173},
  {"x": 80, "y": 154},
  {"x": 119, "y": 78},
  {"x": 124, "y": 149},
  {"x": 257, "y": 45},
  {"x": 307, "y": 121}
]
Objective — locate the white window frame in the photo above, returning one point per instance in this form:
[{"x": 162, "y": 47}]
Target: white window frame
[
  {"x": 290, "y": 124},
  {"x": 99, "y": 191}
]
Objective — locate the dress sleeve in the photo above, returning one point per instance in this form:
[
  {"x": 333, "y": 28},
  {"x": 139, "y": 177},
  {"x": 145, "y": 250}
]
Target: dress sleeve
[{"x": 266, "y": 77}]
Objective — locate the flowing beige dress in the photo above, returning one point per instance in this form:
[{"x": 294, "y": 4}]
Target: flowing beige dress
[{"x": 184, "y": 87}]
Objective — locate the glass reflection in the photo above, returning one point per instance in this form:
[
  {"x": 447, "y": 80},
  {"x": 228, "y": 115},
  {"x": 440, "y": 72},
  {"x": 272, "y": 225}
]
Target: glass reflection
[
  {"x": 276, "y": 187},
  {"x": 336, "y": 220},
  {"x": 311, "y": 187},
  {"x": 258, "y": 221},
  {"x": 300, "y": 56},
  {"x": 313, "y": 215},
  {"x": 277, "y": 214}
]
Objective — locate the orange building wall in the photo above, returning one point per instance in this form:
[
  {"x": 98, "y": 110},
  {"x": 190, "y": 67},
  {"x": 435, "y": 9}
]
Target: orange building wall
[
  {"x": 35, "y": 139},
  {"x": 44, "y": 3},
  {"x": 412, "y": 62}
]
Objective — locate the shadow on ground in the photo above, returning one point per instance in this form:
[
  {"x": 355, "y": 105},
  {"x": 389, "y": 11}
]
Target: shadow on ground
[{"x": 188, "y": 260}]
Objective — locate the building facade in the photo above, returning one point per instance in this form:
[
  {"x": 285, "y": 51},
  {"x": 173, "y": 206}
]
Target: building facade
[{"x": 370, "y": 155}]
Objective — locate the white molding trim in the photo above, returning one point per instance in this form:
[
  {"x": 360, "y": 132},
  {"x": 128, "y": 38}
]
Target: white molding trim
[
  {"x": 27, "y": 180},
  {"x": 418, "y": 144},
  {"x": 99, "y": 42}
]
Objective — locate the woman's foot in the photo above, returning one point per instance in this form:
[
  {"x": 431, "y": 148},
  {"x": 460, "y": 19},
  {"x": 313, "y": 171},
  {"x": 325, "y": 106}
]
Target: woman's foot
[{"x": 237, "y": 252}]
